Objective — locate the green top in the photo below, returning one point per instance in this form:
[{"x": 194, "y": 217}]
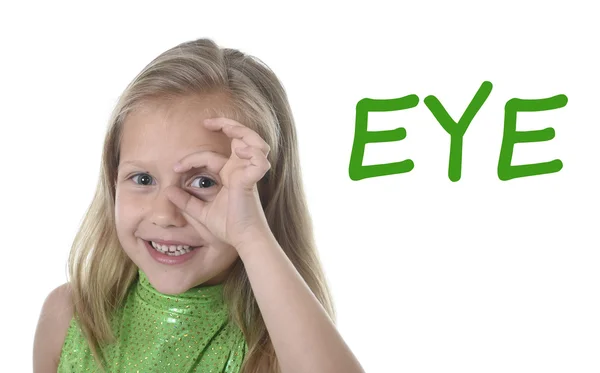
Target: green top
[{"x": 155, "y": 332}]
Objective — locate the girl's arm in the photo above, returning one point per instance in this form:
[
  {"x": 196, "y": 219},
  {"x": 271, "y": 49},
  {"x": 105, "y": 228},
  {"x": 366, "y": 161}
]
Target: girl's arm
[{"x": 304, "y": 337}]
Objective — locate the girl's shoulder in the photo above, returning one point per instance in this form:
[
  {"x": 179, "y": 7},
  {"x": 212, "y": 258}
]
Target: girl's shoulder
[{"x": 52, "y": 328}]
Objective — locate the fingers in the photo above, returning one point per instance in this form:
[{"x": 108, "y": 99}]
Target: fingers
[
  {"x": 250, "y": 159},
  {"x": 200, "y": 227},
  {"x": 213, "y": 161},
  {"x": 237, "y": 130},
  {"x": 258, "y": 163},
  {"x": 193, "y": 207}
]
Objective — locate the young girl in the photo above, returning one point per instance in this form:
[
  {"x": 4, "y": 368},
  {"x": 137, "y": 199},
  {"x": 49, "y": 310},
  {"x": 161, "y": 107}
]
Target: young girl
[{"x": 197, "y": 253}]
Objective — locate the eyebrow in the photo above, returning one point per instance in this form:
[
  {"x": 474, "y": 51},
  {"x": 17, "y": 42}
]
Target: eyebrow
[
  {"x": 144, "y": 165},
  {"x": 139, "y": 164},
  {"x": 135, "y": 163}
]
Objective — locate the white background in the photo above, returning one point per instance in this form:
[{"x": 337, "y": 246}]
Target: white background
[{"x": 428, "y": 275}]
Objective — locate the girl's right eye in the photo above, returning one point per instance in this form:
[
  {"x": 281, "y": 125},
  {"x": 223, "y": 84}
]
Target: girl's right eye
[{"x": 143, "y": 179}]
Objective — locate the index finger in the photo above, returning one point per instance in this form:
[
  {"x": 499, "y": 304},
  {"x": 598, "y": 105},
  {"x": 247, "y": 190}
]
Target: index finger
[
  {"x": 213, "y": 161},
  {"x": 237, "y": 130}
]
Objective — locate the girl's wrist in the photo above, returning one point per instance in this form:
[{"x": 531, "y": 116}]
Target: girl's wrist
[{"x": 255, "y": 242}]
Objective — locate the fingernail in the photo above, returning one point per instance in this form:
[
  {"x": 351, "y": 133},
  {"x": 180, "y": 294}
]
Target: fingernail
[{"x": 176, "y": 166}]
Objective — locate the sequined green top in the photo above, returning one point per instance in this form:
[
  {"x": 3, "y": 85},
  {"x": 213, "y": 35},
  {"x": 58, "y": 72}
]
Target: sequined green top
[{"x": 155, "y": 332}]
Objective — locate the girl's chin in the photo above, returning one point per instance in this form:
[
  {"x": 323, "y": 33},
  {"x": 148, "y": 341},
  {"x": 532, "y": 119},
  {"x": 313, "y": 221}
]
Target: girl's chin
[
  {"x": 169, "y": 284},
  {"x": 170, "y": 274}
]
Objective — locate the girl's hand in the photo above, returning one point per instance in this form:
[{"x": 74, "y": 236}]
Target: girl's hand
[{"x": 235, "y": 215}]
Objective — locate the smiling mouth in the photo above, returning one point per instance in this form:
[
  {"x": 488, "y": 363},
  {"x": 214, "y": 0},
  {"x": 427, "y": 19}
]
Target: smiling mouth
[{"x": 172, "y": 250}]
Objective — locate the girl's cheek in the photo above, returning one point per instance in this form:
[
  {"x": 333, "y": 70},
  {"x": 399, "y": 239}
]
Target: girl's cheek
[{"x": 128, "y": 205}]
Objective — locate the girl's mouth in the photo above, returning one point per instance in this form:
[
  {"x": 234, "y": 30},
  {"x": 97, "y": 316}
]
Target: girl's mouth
[{"x": 172, "y": 250}]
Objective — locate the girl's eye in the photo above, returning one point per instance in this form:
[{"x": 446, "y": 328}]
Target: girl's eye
[
  {"x": 204, "y": 182},
  {"x": 143, "y": 179}
]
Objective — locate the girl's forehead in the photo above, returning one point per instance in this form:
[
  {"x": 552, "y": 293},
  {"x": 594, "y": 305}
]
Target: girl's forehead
[
  {"x": 193, "y": 104},
  {"x": 175, "y": 125},
  {"x": 192, "y": 108}
]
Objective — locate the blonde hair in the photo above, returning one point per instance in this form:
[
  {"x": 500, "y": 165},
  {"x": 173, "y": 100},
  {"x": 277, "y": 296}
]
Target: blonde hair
[{"x": 101, "y": 273}]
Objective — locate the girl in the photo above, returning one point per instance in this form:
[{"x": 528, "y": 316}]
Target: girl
[{"x": 197, "y": 253}]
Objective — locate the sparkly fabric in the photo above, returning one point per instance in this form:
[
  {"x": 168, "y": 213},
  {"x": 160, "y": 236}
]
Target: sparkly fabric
[{"x": 155, "y": 332}]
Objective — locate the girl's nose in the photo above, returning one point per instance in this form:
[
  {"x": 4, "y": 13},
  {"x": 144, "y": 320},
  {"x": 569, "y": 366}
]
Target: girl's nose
[{"x": 165, "y": 214}]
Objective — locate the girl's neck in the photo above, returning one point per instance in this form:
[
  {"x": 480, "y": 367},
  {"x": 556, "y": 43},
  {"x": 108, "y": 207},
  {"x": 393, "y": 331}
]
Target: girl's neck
[{"x": 200, "y": 298}]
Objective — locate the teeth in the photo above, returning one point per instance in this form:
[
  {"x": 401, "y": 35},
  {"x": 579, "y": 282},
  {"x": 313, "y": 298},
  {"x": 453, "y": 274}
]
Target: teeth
[{"x": 171, "y": 250}]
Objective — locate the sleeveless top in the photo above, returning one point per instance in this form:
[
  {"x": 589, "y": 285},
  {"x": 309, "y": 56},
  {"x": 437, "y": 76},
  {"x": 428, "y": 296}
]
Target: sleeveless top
[{"x": 155, "y": 332}]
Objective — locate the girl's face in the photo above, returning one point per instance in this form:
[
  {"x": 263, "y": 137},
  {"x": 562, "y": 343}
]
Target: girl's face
[{"x": 155, "y": 137}]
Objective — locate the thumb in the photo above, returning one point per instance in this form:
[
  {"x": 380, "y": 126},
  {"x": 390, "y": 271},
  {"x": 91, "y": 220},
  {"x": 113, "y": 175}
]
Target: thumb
[{"x": 187, "y": 203}]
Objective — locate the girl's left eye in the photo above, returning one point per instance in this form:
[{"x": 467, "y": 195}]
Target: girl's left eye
[{"x": 204, "y": 182}]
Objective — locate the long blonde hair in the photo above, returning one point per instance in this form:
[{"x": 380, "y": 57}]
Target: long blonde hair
[{"x": 99, "y": 270}]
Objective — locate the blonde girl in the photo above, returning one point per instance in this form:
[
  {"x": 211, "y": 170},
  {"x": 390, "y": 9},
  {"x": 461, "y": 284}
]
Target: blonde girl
[{"x": 197, "y": 252}]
